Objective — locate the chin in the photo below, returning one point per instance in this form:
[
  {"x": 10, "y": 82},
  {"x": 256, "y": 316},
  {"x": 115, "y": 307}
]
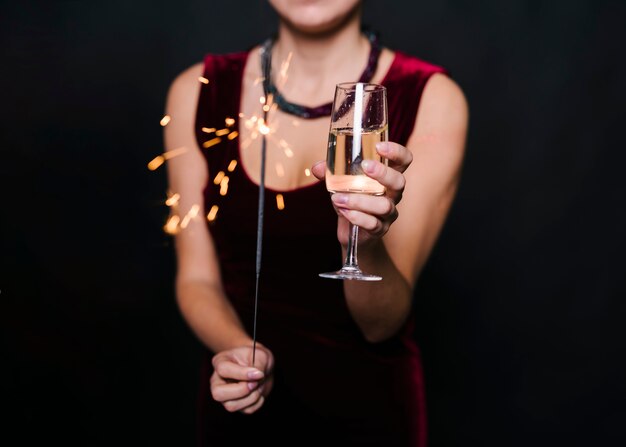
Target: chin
[{"x": 315, "y": 16}]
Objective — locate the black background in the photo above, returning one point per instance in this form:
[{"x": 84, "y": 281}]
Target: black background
[{"x": 520, "y": 306}]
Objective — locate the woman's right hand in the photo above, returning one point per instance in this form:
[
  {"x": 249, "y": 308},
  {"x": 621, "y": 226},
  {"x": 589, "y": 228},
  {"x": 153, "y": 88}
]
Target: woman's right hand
[{"x": 236, "y": 384}]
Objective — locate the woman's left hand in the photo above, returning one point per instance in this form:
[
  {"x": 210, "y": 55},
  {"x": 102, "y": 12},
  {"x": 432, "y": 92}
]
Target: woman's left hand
[{"x": 372, "y": 214}]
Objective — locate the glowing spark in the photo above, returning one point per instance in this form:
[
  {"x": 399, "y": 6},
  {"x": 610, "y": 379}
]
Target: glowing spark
[
  {"x": 172, "y": 200},
  {"x": 266, "y": 108},
  {"x": 192, "y": 214},
  {"x": 241, "y": 115},
  {"x": 233, "y": 135},
  {"x": 208, "y": 129},
  {"x": 284, "y": 67},
  {"x": 213, "y": 142},
  {"x": 166, "y": 119},
  {"x": 258, "y": 80},
  {"x": 222, "y": 132},
  {"x": 280, "y": 202},
  {"x": 263, "y": 128},
  {"x": 229, "y": 121},
  {"x": 286, "y": 148},
  {"x": 232, "y": 165},
  {"x": 218, "y": 178},
  {"x": 224, "y": 186},
  {"x": 157, "y": 161},
  {"x": 203, "y": 80},
  {"x": 213, "y": 213},
  {"x": 160, "y": 159},
  {"x": 262, "y": 99},
  {"x": 307, "y": 172},
  {"x": 171, "y": 226},
  {"x": 280, "y": 170}
]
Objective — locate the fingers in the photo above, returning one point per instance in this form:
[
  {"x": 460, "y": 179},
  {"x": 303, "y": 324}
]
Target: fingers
[
  {"x": 251, "y": 409},
  {"x": 319, "y": 170},
  {"x": 224, "y": 391},
  {"x": 399, "y": 156},
  {"x": 380, "y": 206},
  {"x": 248, "y": 401},
  {"x": 387, "y": 176},
  {"x": 229, "y": 370}
]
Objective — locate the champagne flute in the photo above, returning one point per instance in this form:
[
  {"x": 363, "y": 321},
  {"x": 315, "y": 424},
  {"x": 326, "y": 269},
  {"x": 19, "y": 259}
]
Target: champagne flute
[{"x": 358, "y": 122}]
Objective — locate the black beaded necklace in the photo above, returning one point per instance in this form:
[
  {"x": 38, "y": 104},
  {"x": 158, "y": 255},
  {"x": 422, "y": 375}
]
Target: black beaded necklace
[{"x": 303, "y": 111}]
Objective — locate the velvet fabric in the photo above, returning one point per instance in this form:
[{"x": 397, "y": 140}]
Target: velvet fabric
[{"x": 331, "y": 385}]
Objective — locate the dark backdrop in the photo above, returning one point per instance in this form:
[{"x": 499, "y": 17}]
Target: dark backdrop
[{"x": 520, "y": 307}]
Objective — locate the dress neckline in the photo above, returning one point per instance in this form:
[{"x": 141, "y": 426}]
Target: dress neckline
[{"x": 303, "y": 188}]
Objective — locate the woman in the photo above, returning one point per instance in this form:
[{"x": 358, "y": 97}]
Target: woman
[{"x": 336, "y": 360}]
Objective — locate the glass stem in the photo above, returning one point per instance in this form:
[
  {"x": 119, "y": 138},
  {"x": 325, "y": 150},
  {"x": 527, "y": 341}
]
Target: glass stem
[{"x": 351, "y": 261}]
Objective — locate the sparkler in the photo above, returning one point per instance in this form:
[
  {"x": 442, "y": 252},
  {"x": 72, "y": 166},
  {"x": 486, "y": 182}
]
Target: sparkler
[{"x": 259, "y": 235}]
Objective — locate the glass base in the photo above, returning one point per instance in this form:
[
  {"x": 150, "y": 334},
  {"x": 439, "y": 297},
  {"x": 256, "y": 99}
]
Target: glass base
[{"x": 351, "y": 273}]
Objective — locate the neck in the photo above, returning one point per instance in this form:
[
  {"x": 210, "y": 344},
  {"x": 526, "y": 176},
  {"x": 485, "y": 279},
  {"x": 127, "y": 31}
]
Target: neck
[{"x": 333, "y": 56}]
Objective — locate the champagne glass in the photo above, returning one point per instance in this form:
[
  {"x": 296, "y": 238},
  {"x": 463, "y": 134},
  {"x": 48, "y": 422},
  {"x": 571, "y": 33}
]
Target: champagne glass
[{"x": 358, "y": 122}]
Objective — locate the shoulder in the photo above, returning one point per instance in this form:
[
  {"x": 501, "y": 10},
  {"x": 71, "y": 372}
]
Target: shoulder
[
  {"x": 186, "y": 81},
  {"x": 210, "y": 69},
  {"x": 444, "y": 101}
]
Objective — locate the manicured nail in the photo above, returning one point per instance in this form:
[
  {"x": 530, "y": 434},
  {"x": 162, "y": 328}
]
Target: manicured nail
[
  {"x": 255, "y": 375},
  {"x": 368, "y": 166},
  {"x": 382, "y": 148},
  {"x": 252, "y": 385},
  {"x": 340, "y": 199}
]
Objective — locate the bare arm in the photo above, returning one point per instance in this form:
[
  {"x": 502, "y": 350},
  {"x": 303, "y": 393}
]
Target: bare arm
[
  {"x": 425, "y": 176},
  {"x": 199, "y": 289}
]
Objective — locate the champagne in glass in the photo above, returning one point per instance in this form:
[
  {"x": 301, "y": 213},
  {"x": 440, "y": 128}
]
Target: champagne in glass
[{"x": 358, "y": 122}]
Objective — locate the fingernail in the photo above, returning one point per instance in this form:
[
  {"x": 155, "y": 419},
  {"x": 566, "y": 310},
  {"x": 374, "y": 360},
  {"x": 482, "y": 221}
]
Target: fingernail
[
  {"x": 318, "y": 163},
  {"x": 382, "y": 148},
  {"x": 339, "y": 198},
  {"x": 368, "y": 166},
  {"x": 252, "y": 385},
  {"x": 255, "y": 374}
]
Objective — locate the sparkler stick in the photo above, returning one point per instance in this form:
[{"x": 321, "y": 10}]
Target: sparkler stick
[{"x": 259, "y": 233}]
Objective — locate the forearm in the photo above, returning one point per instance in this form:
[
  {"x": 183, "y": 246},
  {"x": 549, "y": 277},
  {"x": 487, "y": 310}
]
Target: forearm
[
  {"x": 379, "y": 308},
  {"x": 211, "y": 316}
]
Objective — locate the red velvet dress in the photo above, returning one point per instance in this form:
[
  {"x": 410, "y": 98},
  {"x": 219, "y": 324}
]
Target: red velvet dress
[{"x": 331, "y": 385}]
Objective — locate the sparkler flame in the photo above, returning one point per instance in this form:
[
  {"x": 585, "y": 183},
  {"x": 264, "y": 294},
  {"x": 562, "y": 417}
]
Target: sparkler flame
[
  {"x": 165, "y": 120},
  {"x": 280, "y": 202},
  {"x": 212, "y": 213},
  {"x": 157, "y": 161},
  {"x": 172, "y": 200}
]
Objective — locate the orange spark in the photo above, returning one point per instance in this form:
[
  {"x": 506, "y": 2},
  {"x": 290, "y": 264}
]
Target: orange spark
[
  {"x": 203, "y": 80},
  {"x": 266, "y": 108},
  {"x": 208, "y": 129},
  {"x": 229, "y": 121},
  {"x": 218, "y": 178},
  {"x": 280, "y": 202},
  {"x": 166, "y": 119},
  {"x": 172, "y": 200},
  {"x": 171, "y": 226},
  {"x": 232, "y": 165},
  {"x": 221, "y": 132},
  {"x": 157, "y": 161},
  {"x": 192, "y": 214},
  {"x": 233, "y": 135},
  {"x": 307, "y": 172},
  {"x": 263, "y": 128},
  {"x": 213, "y": 213},
  {"x": 213, "y": 142},
  {"x": 262, "y": 99},
  {"x": 224, "y": 186}
]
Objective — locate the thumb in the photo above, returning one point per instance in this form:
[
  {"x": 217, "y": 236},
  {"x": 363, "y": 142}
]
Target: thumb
[{"x": 319, "y": 170}]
